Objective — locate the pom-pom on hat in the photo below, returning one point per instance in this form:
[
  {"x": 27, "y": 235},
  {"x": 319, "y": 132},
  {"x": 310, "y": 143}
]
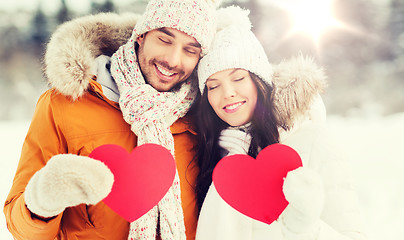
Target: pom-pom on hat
[
  {"x": 234, "y": 46},
  {"x": 193, "y": 17}
]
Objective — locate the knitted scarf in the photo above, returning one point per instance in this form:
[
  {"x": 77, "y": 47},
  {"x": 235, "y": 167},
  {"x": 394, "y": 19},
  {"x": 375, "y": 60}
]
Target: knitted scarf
[{"x": 150, "y": 114}]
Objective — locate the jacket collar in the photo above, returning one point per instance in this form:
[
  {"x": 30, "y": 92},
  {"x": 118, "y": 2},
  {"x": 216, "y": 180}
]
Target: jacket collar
[{"x": 97, "y": 89}]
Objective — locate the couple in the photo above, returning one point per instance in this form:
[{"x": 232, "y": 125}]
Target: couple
[{"x": 151, "y": 80}]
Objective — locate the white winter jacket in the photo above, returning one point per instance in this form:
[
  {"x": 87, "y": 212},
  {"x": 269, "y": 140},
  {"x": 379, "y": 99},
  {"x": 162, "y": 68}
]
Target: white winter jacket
[{"x": 301, "y": 110}]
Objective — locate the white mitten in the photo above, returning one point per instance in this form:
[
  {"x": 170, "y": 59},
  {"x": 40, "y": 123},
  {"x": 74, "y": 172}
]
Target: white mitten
[
  {"x": 303, "y": 188},
  {"x": 67, "y": 180},
  {"x": 235, "y": 141}
]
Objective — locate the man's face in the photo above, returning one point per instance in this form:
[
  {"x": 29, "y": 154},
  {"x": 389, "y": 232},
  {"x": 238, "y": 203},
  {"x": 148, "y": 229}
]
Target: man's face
[{"x": 167, "y": 57}]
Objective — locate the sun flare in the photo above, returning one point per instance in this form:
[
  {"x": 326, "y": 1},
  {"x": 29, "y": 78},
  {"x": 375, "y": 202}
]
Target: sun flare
[{"x": 311, "y": 17}]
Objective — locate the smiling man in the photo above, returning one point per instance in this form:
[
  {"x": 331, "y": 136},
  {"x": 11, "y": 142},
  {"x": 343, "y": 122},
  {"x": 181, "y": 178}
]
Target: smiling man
[
  {"x": 116, "y": 79},
  {"x": 164, "y": 71}
]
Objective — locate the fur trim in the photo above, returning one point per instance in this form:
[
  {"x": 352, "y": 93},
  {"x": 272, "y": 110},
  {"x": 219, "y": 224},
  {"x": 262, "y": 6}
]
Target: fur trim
[
  {"x": 296, "y": 83},
  {"x": 70, "y": 54}
]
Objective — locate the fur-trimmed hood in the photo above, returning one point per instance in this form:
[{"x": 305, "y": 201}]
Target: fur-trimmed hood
[
  {"x": 73, "y": 47},
  {"x": 71, "y": 52},
  {"x": 298, "y": 83}
]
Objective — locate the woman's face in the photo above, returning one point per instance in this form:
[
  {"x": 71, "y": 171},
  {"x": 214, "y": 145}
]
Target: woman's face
[{"x": 232, "y": 95}]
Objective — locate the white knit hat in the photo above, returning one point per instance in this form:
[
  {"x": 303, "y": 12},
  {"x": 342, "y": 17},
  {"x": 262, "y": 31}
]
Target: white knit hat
[
  {"x": 234, "y": 46},
  {"x": 193, "y": 17}
]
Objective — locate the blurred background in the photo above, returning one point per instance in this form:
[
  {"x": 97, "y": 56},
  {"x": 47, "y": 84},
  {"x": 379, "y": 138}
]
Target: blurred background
[{"x": 359, "y": 42}]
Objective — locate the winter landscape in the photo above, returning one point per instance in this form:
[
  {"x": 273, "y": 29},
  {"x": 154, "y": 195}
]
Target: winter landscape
[{"x": 361, "y": 51}]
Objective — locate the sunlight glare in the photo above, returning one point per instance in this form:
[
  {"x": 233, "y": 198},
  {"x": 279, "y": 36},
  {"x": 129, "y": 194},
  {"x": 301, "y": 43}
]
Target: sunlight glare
[{"x": 312, "y": 17}]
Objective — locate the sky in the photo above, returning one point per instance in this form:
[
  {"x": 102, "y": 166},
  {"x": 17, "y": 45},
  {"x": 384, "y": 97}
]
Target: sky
[{"x": 49, "y": 6}]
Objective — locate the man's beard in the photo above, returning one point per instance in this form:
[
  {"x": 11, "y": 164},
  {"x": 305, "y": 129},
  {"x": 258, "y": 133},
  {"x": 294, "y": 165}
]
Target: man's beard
[{"x": 151, "y": 65}]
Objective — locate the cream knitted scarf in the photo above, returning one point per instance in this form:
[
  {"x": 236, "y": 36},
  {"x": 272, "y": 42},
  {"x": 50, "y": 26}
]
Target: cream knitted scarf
[{"x": 150, "y": 114}]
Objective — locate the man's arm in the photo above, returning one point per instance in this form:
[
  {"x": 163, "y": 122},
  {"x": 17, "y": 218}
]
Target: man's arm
[
  {"x": 43, "y": 140},
  {"x": 49, "y": 180}
]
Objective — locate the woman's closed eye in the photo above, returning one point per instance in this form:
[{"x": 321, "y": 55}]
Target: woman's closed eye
[{"x": 238, "y": 79}]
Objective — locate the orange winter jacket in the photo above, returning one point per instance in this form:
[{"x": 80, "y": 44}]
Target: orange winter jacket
[{"x": 60, "y": 125}]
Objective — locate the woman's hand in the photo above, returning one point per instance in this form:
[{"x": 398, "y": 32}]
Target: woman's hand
[
  {"x": 235, "y": 141},
  {"x": 304, "y": 190}
]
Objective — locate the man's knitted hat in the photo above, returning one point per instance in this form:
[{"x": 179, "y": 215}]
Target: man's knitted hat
[
  {"x": 234, "y": 46},
  {"x": 193, "y": 17}
]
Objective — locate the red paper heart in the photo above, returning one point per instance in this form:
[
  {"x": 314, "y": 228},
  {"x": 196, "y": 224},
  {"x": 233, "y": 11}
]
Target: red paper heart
[
  {"x": 141, "y": 178},
  {"x": 254, "y": 186}
]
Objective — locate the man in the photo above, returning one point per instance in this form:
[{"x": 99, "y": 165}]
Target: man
[{"x": 57, "y": 189}]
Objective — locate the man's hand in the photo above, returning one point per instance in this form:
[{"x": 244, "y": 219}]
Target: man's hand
[{"x": 67, "y": 180}]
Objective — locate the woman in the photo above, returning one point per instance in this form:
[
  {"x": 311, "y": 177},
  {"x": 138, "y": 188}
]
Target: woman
[{"x": 245, "y": 107}]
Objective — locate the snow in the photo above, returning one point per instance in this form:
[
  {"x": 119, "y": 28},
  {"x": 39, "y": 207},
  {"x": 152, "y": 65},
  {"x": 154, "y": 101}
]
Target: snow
[
  {"x": 374, "y": 144},
  {"x": 377, "y": 155},
  {"x": 11, "y": 140}
]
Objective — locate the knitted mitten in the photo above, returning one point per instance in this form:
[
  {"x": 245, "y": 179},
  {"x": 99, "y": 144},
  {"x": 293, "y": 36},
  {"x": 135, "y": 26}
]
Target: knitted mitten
[
  {"x": 235, "y": 141},
  {"x": 303, "y": 188},
  {"x": 67, "y": 180}
]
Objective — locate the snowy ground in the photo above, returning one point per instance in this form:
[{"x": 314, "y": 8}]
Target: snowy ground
[{"x": 376, "y": 146}]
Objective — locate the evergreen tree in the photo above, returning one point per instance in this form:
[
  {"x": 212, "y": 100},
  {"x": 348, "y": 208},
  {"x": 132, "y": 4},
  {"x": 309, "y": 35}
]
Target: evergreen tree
[
  {"x": 107, "y": 6},
  {"x": 397, "y": 26},
  {"x": 63, "y": 14},
  {"x": 39, "y": 28}
]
